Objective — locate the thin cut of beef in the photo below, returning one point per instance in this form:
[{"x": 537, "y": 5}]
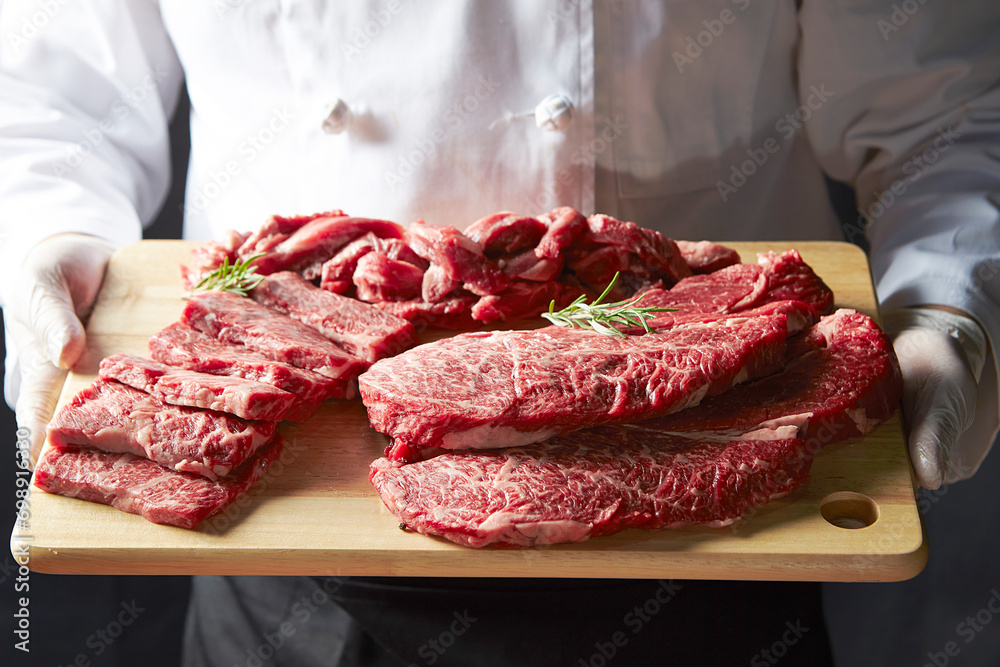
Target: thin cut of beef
[
  {"x": 139, "y": 486},
  {"x": 114, "y": 417},
  {"x": 453, "y": 312},
  {"x": 240, "y": 320},
  {"x": 741, "y": 287},
  {"x": 564, "y": 226},
  {"x": 380, "y": 278},
  {"x": 361, "y": 329},
  {"x": 510, "y": 388},
  {"x": 595, "y": 482},
  {"x": 523, "y": 300},
  {"x": 841, "y": 379},
  {"x": 338, "y": 270},
  {"x": 185, "y": 347},
  {"x": 244, "y": 398},
  {"x": 311, "y": 245},
  {"x": 460, "y": 258},
  {"x": 655, "y": 251},
  {"x": 276, "y": 229},
  {"x": 506, "y": 233},
  {"x": 706, "y": 257},
  {"x": 337, "y": 274},
  {"x": 529, "y": 266}
]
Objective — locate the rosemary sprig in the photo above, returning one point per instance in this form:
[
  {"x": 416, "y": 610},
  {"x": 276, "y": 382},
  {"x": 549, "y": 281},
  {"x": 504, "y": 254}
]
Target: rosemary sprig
[
  {"x": 604, "y": 317},
  {"x": 238, "y": 277}
]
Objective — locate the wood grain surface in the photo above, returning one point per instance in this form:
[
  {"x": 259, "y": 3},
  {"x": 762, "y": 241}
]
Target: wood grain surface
[{"x": 315, "y": 513}]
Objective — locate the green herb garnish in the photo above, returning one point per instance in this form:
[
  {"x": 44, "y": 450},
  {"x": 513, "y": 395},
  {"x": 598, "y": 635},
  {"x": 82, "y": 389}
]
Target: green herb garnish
[
  {"x": 604, "y": 317},
  {"x": 238, "y": 277}
]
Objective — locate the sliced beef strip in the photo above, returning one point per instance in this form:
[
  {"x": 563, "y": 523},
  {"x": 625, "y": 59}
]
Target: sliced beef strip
[
  {"x": 114, "y": 417},
  {"x": 236, "y": 319},
  {"x": 139, "y": 486},
  {"x": 236, "y": 396},
  {"x": 360, "y": 329}
]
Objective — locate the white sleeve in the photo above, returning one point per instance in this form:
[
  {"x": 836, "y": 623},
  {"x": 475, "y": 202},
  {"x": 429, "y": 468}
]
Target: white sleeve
[
  {"x": 86, "y": 92},
  {"x": 913, "y": 122}
]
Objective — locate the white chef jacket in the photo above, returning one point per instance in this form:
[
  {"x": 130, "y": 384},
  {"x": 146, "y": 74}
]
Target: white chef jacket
[{"x": 710, "y": 119}]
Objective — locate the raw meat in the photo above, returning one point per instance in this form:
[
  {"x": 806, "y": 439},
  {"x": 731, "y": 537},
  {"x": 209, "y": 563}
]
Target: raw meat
[
  {"x": 361, "y": 329},
  {"x": 460, "y": 258},
  {"x": 339, "y": 269},
  {"x": 236, "y": 319},
  {"x": 454, "y": 312},
  {"x": 504, "y": 389},
  {"x": 311, "y": 245},
  {"x": 380, "y": 278},
  {"x": 185, "y": 347},
  {"x": 655, "y": 251},
  {"x": 523, "y": 300},
  {"x": 278, "y": 228},
  {"x": 337, "y": 273},
  {"x": 209, "y": 256},
  {"x": 244, "y": 398},
  {"x": 565, "y": 225},
  {"x": 706, "y": 257},
  {"x": 529, "y": 266},
  {"x": 841, "y": 379},
  {"x": 114, "y": 417},
  {"x": 742, "y": 287},
  {"x": 595, "y": 482},
  {"x": 140, "y": 486},
  {"x": 506, "y": 233}
]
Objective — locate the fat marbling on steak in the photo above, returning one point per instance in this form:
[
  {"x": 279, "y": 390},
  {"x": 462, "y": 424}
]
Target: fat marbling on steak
[
  {"x": 185, "y": 347},
  {"x": 114, "y": 417},
  {"x": 244, "y": 398},
  {"x": 240, "y": 320},
  {"x": 510, "y": 388},
  {"x": 361, "y": 329},
  {"x": 841, "y": 379},
  {"x": 139, "y": 486},
  {"x": 594, "y": 482},
  {"x": 705, "y": 465}
]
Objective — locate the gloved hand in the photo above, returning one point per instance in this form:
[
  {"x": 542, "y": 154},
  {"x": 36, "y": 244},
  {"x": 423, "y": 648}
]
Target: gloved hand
[
  {"x": 941, "y": 355},
  {"x": 56, "y": 286}
]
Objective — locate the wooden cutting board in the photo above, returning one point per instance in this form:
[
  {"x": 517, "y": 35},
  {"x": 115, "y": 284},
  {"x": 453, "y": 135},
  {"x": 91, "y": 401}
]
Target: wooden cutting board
[{"x": 315, "y": 513}]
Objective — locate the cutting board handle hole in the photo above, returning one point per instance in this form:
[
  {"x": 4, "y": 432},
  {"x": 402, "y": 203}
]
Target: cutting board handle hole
[{"x": 846, "y": 509}]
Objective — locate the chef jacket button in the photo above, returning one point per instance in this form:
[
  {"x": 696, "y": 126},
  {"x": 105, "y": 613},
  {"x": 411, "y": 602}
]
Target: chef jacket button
[
  {"x": 554, "y": 113},
  {"x": 337, "y": 118}
]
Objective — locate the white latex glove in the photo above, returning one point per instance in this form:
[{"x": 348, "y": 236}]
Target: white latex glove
[
  {"x": 55, "y": 288},
  {"x": 941, "y": 355}
]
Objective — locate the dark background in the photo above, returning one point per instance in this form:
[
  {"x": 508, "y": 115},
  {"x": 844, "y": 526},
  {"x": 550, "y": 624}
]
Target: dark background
[{"x": 916, "y": 622}]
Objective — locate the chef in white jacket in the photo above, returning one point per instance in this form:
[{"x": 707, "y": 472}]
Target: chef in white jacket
[{"x": 712, "y": 119}]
